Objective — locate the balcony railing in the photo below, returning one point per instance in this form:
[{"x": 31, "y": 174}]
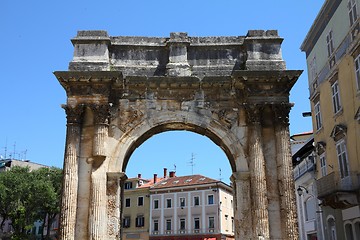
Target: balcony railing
[{"x": 333, "y": 183}]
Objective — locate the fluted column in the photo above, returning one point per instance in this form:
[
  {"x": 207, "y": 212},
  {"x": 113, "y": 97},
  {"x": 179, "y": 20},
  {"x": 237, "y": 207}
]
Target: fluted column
[
  {"x": 113, "y": 204},
  {"x": 98, "y": 207},
  {"x": 242, "y": 205},
  {"x": 70, "y": 172},
  {"x": 257, "y": 174},
  {"x": 98, "y": 213},
  {"x": 101, "y": 115},
  {"x": 285, "y": 174}
]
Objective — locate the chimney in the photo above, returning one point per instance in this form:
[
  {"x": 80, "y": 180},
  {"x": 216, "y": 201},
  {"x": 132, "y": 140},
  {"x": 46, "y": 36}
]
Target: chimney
[
  {"x": 165, "y": 172},
  {"x": 155, "y": 177},
  {"x": 172, "y": 174},
  {"x": 139, "y": 175}
]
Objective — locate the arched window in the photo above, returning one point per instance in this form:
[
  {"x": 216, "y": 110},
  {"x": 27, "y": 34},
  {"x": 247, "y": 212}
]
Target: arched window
[
  {"x": 349, "y": 232},
  {"x": 331, "y": 228},
  {"x": 357, "y": 229}
]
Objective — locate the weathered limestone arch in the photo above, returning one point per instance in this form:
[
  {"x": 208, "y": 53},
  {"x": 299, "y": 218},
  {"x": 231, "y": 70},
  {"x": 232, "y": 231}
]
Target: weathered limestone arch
[
  {"x": 123, "y": 90},
  {"x": 221, "y": 136}
]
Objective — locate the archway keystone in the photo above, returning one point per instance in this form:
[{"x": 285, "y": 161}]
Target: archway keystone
[{"x": 123, "y": 90}]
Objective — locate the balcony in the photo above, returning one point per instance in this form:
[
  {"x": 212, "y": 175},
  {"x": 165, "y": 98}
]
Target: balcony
[{"x": 338, "y": 192}]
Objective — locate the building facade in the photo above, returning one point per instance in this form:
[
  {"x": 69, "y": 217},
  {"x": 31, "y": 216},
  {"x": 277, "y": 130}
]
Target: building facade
[
  {"x": 307, "y": 202},
  {"x": 191, "y": 207},
  {"x": 333, "y": 62}
]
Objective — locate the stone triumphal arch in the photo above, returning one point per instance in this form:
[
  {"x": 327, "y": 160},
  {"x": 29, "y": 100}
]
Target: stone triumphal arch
[{"x": 123, "y": 90}]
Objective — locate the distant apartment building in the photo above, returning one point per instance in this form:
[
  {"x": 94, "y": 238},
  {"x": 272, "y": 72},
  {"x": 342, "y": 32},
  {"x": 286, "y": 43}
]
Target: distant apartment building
[
  {"x": 332, "y": 50},
  {"x": 308, "y": 205},
  {"x": 191, "y": 207},
  {"x": 135, "y": 223}
]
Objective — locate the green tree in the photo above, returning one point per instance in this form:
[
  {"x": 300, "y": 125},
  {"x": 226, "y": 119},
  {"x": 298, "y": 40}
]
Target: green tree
[
  {"x": 47, "y": 187},
  {"x": 27, "y": 196}
]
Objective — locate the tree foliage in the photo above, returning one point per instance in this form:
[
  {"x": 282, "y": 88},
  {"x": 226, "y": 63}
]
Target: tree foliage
[{"x": 27, "y": 196}]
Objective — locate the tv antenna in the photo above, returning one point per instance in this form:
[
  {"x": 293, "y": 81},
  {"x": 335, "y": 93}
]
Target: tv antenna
[
  {"x": 220, "y": 178},
  {"x": 192, "y": 163}
]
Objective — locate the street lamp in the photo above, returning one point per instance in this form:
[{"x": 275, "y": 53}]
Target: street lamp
[{"x": 300, "y": 190}]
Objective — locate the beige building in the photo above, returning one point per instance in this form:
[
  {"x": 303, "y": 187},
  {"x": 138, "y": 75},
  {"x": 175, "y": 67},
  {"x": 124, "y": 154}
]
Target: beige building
[
  {"x": 136, "y": 207},
  {"x": 191, "y": 207},
  {"x": 333, "y": 62}
]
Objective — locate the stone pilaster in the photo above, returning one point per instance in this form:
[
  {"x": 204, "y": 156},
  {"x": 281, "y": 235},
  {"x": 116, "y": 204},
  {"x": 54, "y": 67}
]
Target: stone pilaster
[
  {"x": 70, "y": 175},
  {"x": 101, "y": 118},
  {"x": 257, "y": 174},
  {"x": 242, "y": 205},
  {"x": 113, "y": 204},
  {"x": 285, "y": 175}
]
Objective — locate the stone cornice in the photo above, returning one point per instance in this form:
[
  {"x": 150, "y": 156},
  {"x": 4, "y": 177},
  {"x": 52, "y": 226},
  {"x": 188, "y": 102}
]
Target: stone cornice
[{"x": 88, "y": 82}]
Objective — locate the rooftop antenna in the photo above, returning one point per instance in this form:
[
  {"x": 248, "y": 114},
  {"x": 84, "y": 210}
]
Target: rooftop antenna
[
  {"x": 192, "y": 163},
  {"x": 175, "y": 167},
  {"x": 5, "y": 147},
  {"x": 220, "y": 178},
  {"x": 14, "y": 156}
]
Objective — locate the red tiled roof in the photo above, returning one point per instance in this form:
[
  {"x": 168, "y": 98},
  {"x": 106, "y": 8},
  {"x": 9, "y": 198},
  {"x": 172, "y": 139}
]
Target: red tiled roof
[
  {"x": 183, "y": 181},
  {"x": 149, "y": 183}
]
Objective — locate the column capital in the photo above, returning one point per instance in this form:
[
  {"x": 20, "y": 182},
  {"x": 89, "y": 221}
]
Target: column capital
[
  {"x": 253, "y": 112},
  {"x": 281, "y": 113},
  {"x": 101, "y": 113},
  {"x": 73, "y": 114},
  {"x": 240, "y": 175},
  {"x": 118, "y": 175}
]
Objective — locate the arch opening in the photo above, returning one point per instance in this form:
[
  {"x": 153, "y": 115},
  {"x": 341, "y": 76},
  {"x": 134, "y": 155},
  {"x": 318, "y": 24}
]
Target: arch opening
[{"x": 178, "y": 126}]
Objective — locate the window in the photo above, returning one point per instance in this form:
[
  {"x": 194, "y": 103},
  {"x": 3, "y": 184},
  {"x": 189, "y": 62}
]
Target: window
[
  {"x": 342, "y": 157},
  {"x": 168, "y": 203},
  {"x": 349, "y": 231},
  {"x": 357, "y": 72},
  {"x": 336, "y": 97},
  {"x": 318, "y": 115},
  {"x": 168, "y": 224},
  {"x": 128, "y": 185},
  {"x": 196, "y": 223},
  {"x": 323, "y": 165},
  {"x": 182, "y": 202},
  {"x": 310, "y": 208},
  {"x": 232, "y": 224},
  {"x": 211, "y": 222},
  {"x": 210, "y": 199},
  {"x": 126, "y": 222},
  {"x": 140, "y": 201},
  {"x": 329, "y": 43},
  {"x": 156, "y": 203},
  {"x": 226, "y": 223},
  {"x": 127, "y": 202},
  {"x": 182, "y": 223},
  {"x": 140, "y": 221},
  {"x": 352, "y": 11},
  {"x": 196, "y": 201},
  {"x": 156, "y": 225}
]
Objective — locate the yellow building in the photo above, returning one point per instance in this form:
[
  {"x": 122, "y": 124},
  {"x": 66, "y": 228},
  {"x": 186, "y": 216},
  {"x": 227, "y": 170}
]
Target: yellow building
[
  {"x": 136, "y": 205},
  {"x": 333, "y": 61}
]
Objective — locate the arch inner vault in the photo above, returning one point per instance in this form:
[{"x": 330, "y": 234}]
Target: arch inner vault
[{"x": 123, "y": 90}]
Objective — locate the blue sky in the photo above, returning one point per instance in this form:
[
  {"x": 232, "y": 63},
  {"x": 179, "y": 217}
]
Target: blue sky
[{"x": 35, "y": 41}]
